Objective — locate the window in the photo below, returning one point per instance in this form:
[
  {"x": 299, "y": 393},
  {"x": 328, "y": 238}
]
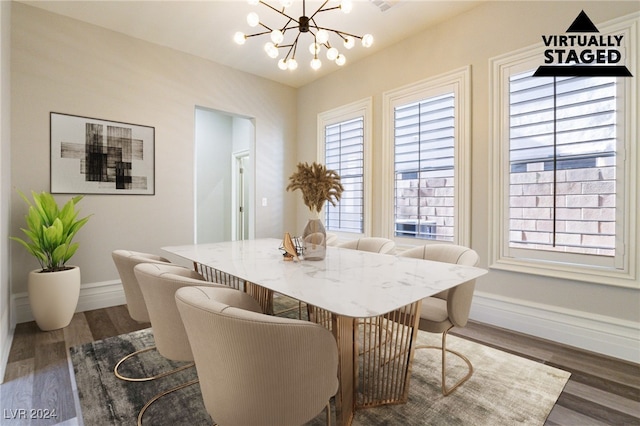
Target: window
[
  {"x": 424, "y": 168},
  {"x": 344, "y": 153},
  {"x": 562, "y": 164},
  {"x": 563, "y": 173},
  {"x": 344, "y": 135},
  {"x": 428, "y": 144}
]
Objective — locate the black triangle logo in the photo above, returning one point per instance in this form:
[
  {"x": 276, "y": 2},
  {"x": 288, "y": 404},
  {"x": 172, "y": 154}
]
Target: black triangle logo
[{"x": 582, "y": 24}]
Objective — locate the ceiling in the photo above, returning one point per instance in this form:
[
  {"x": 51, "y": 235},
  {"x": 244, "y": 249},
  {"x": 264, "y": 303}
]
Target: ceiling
[{"x": 206, "y": 28}]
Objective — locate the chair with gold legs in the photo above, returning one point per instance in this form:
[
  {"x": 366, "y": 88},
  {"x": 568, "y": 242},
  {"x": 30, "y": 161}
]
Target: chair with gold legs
[
  {"x": 125, "y": 261},
  {"x": 450, "y": 308},
  {"x": 257, "y": 369},
  {"x": 158, "y": 283}
]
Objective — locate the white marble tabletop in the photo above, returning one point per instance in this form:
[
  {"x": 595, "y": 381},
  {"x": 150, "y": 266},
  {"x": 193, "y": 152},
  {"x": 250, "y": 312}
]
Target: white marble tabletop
[{"x": 347, "y": 282}]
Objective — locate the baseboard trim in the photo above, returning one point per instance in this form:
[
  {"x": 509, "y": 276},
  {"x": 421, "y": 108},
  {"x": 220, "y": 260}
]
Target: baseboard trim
[
  {"x": 92, "y": 296},
  {"x": 596, "y": 333},
  {"x": 605, "y": 335}
]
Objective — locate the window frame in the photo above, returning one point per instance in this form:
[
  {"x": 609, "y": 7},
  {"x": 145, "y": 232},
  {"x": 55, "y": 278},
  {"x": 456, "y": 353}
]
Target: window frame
[
  {"x": 458, "y": 81},
  {"x": 622, "y": 269},
  {"x": 362, "y": 108}
]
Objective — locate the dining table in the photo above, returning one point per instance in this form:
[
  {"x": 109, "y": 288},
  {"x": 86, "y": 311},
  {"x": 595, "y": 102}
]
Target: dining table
[{"x": 370, "y": 302}]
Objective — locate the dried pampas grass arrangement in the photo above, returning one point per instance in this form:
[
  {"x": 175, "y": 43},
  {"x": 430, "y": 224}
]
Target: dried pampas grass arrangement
[{"x": 318, "y": 185}]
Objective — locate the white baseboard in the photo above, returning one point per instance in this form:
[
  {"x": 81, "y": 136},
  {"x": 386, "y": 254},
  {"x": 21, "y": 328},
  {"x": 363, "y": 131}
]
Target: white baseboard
[
  {"x": 92, "y": 296},
  {"x": 605, "y": 335}
]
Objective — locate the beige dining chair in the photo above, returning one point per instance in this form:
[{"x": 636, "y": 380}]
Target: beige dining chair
[
  {"x": 257, "y": 369},
  {"x": 332, "y": 239},
  {"x": 125, "y": 261},
  {"x": 159, "y": 283},
  {"x": 450, "y": 308},
  {"x": 371, "y": 244}
]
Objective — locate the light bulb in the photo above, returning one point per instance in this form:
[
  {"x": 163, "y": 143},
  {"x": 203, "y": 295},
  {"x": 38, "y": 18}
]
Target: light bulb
[
  {"x": 292, "y": 64},
  {"x": 340, "y": 60},
  {"x": 314, "y": 48},
  {"x": 349, "y": 42},
  {"x": 239, "y": 38},
  {"x": 277, "y": 36},
  {"x": 322, "y": 36},
  {"x": 315, "y": 63},
  {"x": 253, "y": 19},
  {"x": 271, "y": 49},
  {"x": 286, "y": 3},
  {"x": 367, "y": 40},
  {"x": 332, "y": 54},
  {"x": 282, "y": 64},
  {"x": 253, "y": 2},
  {"x": 346, "y": 6}
]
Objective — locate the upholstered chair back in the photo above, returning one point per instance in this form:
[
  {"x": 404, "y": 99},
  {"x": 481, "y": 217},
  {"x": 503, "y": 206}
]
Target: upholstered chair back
[
  {"x": 159, "y": 283},
  {"x": 449, "y": 253},
  {"x": 458, "y": 299},
  {"x": 332, "y": 239},
  {"x": 257, "y": 369},
  {"x": 125, "y": 261},
  {"x": 371, "y": 244}
]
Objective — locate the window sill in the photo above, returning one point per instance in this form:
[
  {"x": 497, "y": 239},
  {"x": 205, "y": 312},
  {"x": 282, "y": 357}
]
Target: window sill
[{"x": 597, "y": 275}]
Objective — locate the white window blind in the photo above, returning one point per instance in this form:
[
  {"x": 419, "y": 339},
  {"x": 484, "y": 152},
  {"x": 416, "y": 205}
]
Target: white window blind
[
  {"x": 344, "y": 153},
  {"x": 562, "y": 157},
  {"x": 424, "y": 160}
]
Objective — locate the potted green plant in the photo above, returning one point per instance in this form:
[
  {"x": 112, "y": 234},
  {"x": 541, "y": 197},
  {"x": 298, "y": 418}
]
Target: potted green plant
[{"x": 54, "y": 289}]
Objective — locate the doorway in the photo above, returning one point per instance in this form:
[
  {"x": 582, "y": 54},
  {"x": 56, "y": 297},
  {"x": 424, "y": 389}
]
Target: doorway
[{"x": 220, "y": 188}]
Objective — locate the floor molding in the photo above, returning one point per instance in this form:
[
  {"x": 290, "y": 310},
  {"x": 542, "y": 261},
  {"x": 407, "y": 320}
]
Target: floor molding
[
  {"x": 605, "y": 335},
  {"x": 92, "y": 296},
  {"x": 596, "y": 333}
]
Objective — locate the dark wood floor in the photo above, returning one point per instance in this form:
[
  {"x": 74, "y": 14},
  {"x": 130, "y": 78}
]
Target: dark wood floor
[{"x": 38, "y": 380}]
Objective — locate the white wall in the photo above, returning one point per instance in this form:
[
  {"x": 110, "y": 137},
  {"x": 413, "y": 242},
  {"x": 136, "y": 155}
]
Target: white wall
[
  {"x": 596, "y": 317},
  {"x": 62, "y": 65},
  {"x": 6, "y": 325}
]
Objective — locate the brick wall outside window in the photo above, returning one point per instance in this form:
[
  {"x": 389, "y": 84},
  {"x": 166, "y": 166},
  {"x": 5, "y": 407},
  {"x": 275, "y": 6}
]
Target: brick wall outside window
[
  {"x": 585, "y": 209},
  {"x": 428, "y": 199}
]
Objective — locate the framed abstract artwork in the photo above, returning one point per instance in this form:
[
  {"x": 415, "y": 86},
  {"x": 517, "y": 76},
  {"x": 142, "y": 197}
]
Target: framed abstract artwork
[{"x": 93, "y": 156}]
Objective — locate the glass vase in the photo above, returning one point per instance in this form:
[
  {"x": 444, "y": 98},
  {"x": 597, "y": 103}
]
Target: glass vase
[{"x": 314, "y": 240}]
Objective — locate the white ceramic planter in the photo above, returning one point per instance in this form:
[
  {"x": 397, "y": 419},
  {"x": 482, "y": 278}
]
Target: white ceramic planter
[{"x": 53, "y": 297}]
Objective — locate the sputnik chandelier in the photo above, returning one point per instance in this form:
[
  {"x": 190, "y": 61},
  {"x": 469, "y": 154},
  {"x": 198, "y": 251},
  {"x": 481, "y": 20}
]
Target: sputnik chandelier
[{"x": 305, "y": 25}]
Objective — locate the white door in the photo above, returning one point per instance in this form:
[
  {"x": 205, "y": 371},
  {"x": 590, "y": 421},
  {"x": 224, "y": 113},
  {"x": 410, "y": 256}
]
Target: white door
[{"x": 242, "y": 190}]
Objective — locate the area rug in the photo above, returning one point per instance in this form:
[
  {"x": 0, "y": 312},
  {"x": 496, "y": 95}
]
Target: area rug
[{"x": 504, "y": 389}]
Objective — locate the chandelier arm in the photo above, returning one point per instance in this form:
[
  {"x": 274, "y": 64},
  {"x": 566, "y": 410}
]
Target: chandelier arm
[
  {"x": 257, "y": 34},
  {"x": 281, "y": 12},
  {"x": 318, "y": 10},
  {"x": 327, "y": 9},
  {"x": 284, "y": 27},
  {"x": 340, "y": 33},
  {"x": 289, "y": 28},
  {"x": 295, "y": 46}
]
